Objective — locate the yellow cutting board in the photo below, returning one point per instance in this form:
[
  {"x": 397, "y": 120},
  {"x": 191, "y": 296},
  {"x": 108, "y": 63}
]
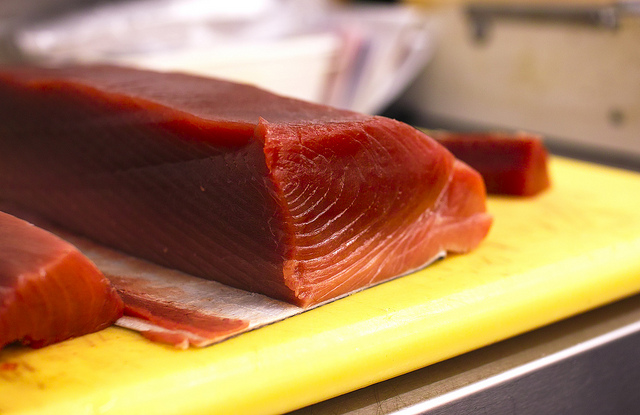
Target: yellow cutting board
[{"x": 573, "y": 248}]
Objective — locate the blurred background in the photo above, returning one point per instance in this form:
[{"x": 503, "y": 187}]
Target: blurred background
[{"x": 567, "y": 70}]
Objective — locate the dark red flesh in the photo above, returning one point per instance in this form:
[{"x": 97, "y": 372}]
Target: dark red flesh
[
  {"x": 49, "y": 291},
  {"x": 510, "y": 164},
  {"x": 298, "y": 201}
]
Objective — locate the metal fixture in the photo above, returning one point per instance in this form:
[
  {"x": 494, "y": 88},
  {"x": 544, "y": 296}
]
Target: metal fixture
[{"x": 607, "y": 17}]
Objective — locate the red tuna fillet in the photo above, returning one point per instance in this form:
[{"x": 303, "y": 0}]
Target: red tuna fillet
[
  {"x": 309, "y": 203},
  {"x": 510, "y": 164},
  {"x": 49, "y": 291}
]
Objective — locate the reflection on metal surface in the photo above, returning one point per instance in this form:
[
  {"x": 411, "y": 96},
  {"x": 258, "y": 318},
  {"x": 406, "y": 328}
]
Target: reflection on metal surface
[{"x": 523, "y": 379}]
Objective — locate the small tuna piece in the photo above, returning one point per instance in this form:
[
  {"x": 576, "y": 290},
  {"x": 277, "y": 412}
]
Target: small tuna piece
[
  {"x": 510, "y": 164},
  {"x": 295, "y": 200},
  {"x": 49, "y": 291}
]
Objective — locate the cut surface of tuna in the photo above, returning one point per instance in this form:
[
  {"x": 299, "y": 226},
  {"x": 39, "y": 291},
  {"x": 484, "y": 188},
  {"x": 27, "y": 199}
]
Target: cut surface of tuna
[
  {"x": 49, "y": 291},
  {"x": 510, "y": 164},
  {"x": 298, "y": 201}
]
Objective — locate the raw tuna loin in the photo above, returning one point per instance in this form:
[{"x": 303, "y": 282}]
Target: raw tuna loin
[
  {"x": 298, "y": 201},
  {"x": 49, "y": 291}
]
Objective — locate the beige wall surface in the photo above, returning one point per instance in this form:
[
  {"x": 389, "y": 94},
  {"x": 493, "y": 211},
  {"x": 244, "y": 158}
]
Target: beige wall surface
[{"x": 573, "y": 82}]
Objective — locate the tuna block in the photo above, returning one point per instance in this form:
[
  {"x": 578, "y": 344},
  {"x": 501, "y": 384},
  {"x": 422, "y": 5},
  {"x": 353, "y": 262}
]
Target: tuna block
[
  {"x": 49, "y": 291},
  {"x": 510, "y": 164},
  {"x": 298, "y": 201}
]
